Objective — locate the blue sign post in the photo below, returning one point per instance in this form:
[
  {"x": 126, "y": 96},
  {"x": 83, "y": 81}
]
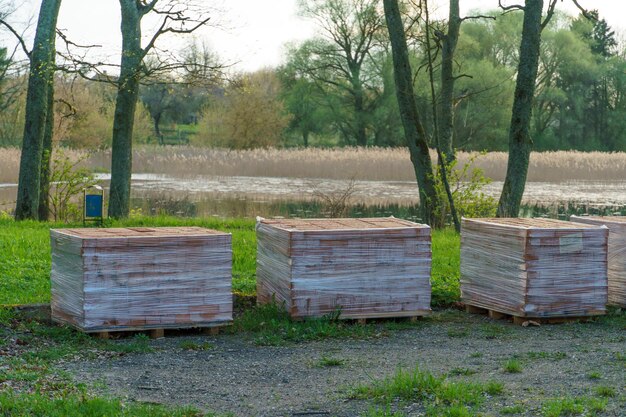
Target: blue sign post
[{"x": 93, "y": 205}]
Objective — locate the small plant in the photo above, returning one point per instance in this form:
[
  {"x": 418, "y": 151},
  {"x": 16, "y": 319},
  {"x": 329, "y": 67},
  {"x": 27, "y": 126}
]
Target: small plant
[
  {"x": 191, "y": 345},
  {"x": 494, "y": 388},
  {"x": 604, "y": 391},
  {"x": 466, "y": 185},
  {"x": 594, "y": 375},
  {"x": 513, "y": 366},
  {"x": 383, "y": 412},
  {"x": 476, "y": 355},
  {"x": 440, "y": 396},
  {"x": 461, "y": 371},
  {"x": 67, "y": 181},
  {"x": 335, "y": 203},
  {"x": 458, "y": 332},
  {"x": 512, "y": 410},
  {"x": 561, "y": 407},
  {"x": 329, "y": 362},
  {"x": 556, "y": 356}
]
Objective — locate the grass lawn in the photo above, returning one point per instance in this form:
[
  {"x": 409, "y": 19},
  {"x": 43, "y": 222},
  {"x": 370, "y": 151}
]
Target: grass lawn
[{"x": 25, "y": 260}]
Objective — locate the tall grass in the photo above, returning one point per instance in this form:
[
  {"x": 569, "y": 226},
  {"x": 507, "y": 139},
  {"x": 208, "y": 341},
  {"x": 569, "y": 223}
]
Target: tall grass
[{"x": 375, "y": 164}]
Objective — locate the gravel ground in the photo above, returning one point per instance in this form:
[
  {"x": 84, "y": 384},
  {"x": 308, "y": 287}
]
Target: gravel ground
[{"x": 236, "y": 376}]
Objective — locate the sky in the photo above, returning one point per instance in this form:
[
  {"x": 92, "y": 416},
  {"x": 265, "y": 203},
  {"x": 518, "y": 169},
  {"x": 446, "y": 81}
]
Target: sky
[{"x": 247, "y": 34}]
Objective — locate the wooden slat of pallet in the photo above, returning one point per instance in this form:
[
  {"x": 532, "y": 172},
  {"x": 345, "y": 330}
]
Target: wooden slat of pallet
[{"x": 524, "y": 320}]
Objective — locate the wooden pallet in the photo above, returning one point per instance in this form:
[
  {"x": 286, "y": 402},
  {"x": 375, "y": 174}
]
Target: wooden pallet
[
  {"x": 528, "y": 321},
  {"x": 153, "y": 333},
  {"x": 411, "y": 319}
]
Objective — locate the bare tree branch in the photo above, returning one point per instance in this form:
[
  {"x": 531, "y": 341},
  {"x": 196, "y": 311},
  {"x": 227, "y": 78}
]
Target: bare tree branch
[
  {"x": 584, "y": 11},
  {"x": 163, "y": 29},
  {"x": 69, "y": 42},
  {"x": 480, "y": 16},
  {"x": 19, "y": 37},
  {"x": 511, "y": 7},
  {"x": 549, "y": 14}
]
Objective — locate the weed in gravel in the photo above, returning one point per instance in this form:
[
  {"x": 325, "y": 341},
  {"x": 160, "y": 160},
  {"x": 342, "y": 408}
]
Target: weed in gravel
[
  {"x": 140, "y": 343},
  {"x": 578, "y": 406},
  {"x": 476, "y": 355},
  {"x": 594, "y": 375},
  {"x": 492, "y": 331},
  {"x": 458, "y": 332},
  {"x": 605, "y": 391},
  {"x": 513, "y": 366},
  {"x": 383, "y": 412},
  {"x": 494, "y": 388},
  {"x": 191, "y": 345},
  {"x": 512, "y": 410},
  {"x": 555, "y": 356},
  {"x": 441, "y": 396},
  {"x": 330, "y": 362},
  {"x": 462, "y": 371},
  {"x": 271, "y": 325}
]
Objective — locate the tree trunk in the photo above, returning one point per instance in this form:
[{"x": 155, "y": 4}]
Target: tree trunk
[
  {"x": 413, "y": 129},
  {"x": 41, "y": 65},
  {"x": 305, "y": 138},
  {"x": 520, "y": 142},
  {"x": 359, "y": 111},
  {"x": 46, "y": 156},
  {"x": 125, "y": 105},
  {"x": 157, "y": 129},
  {"x": 446, "y": 103}
]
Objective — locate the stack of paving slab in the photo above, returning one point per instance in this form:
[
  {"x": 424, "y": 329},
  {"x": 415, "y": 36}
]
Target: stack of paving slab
[
  {"x": 534, "y": 267},
  {"x": 358, "y": 268},
  {"x": 617, "y": 254},
  {"x": 141, "y": 278}
]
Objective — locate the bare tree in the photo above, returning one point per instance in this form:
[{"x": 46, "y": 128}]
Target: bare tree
[
  {"x": 177, "y": 17},
  {"x": 520, "y": 141},
  {"x": 38, "y": 99},
  {"x": 414, "y": 131}
]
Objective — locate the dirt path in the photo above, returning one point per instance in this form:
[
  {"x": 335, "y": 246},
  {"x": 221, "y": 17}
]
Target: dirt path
[{"x": 236, "y": 376}]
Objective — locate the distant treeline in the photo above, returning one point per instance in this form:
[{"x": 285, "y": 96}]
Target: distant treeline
[{"x": 318, "y": 99}]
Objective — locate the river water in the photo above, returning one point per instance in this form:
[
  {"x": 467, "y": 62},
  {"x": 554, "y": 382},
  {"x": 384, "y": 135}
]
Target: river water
[{"x": 250, "y": 196}]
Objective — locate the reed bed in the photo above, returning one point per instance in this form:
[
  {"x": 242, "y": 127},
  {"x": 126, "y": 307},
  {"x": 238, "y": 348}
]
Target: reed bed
[{"x": 374, "y": 164}]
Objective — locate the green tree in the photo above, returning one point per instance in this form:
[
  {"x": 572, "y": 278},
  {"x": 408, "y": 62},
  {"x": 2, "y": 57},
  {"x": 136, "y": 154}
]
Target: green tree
[
  {"x": 249, "y": 115},
  {"x": 340, "y": 59}
]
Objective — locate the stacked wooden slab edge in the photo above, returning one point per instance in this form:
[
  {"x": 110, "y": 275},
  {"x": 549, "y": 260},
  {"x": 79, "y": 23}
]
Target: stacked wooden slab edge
[
  {"x": 359, "y": 268},
  {"x": 141, "y": 278},
  {"x": 616, "y": 256},
  {"x": 534, "y": 267}
]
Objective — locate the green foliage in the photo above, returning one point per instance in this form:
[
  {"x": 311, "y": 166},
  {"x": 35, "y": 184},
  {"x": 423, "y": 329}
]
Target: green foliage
[
  {"x": 271, "y": 326},
  {"x": 192, "y": 345},
  {"x": 330, "y": 362},
  {"x": 578, "y": 406},
  {"x": 441, "y": 396},
  {"x": 249, "y": 115},
  {"x": 68, "y": 179},
  {"x": 446, "y": 266},
  {"x": 466, "y": 185},
  {"x": 37, "y": 405},
  {"x": 513, "y": 366}
]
